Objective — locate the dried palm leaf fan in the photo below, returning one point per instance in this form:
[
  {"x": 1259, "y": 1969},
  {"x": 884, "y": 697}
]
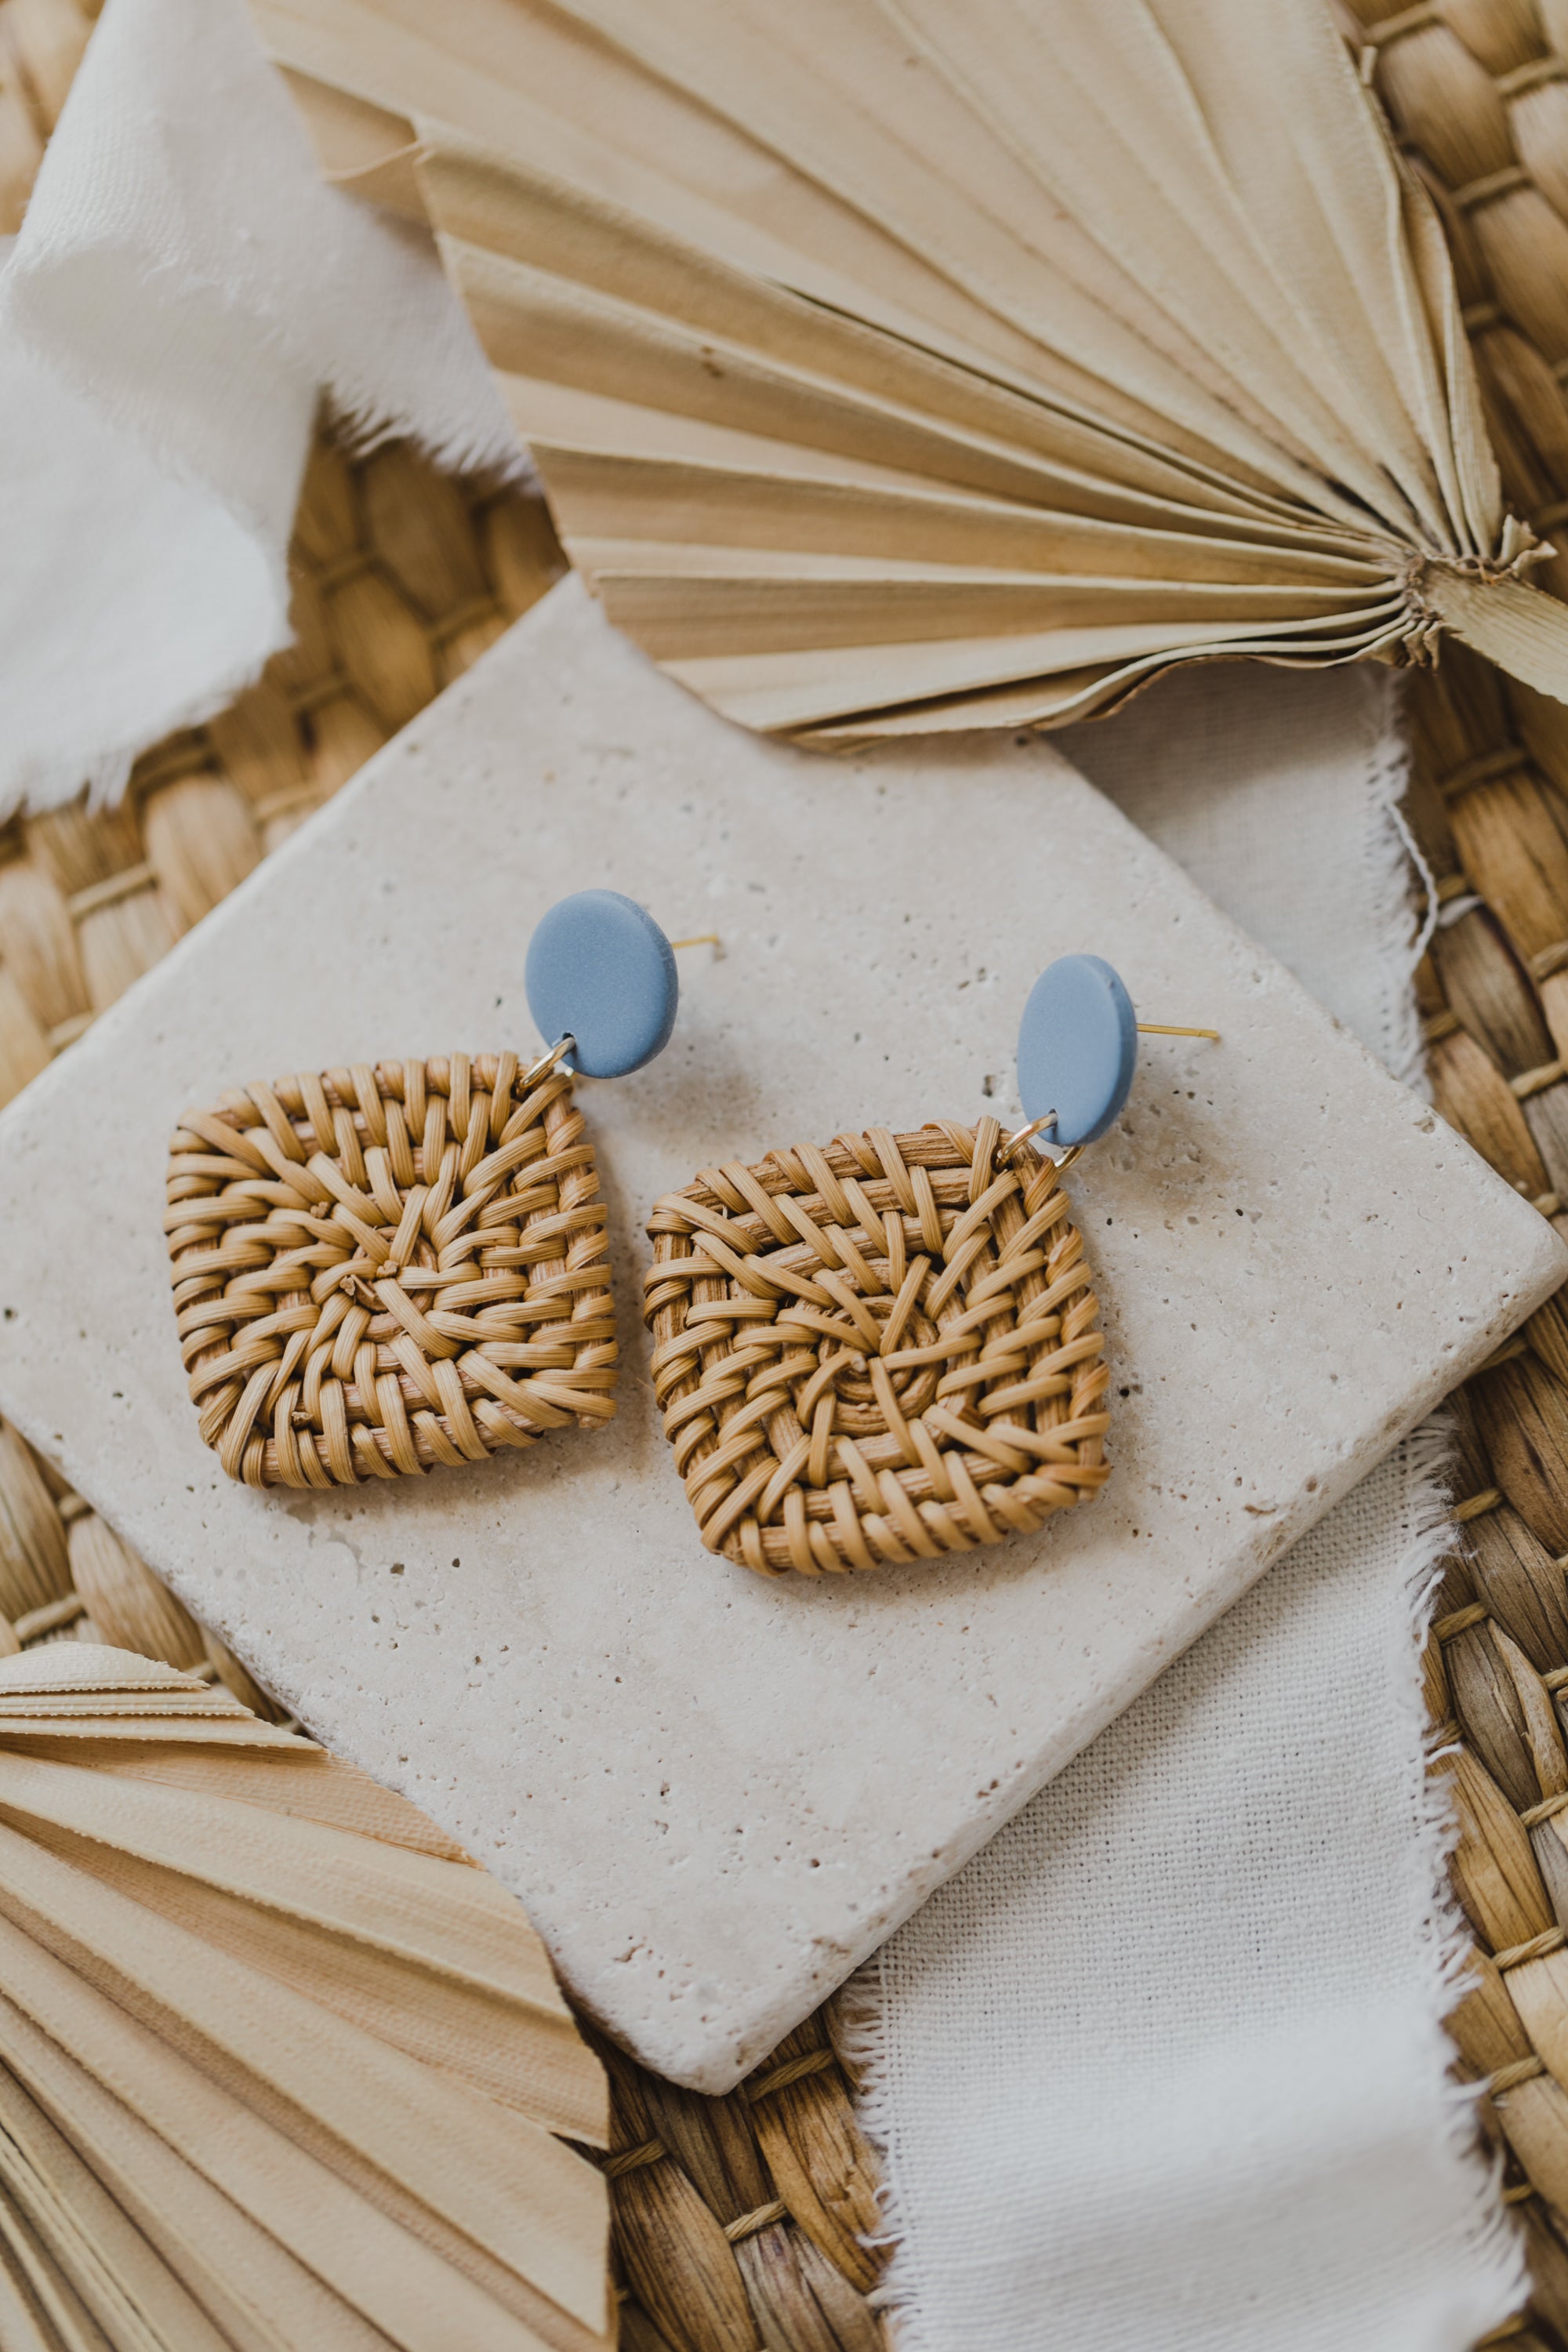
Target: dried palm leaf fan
[
  {"x": 898, "y": 364},
  {"x": 279, "y": 2066}
]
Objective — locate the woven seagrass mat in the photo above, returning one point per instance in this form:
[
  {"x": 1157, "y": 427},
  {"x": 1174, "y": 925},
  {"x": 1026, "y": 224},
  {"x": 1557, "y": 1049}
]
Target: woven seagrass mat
[{"x": 739, "y": 2220}]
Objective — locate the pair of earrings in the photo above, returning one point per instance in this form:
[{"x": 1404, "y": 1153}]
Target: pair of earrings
[{"x": 879, "y": 1349}]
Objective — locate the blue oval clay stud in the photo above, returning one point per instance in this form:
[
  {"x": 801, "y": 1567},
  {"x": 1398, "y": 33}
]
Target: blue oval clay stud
[
  {"x": 1077, "y": 1049},
  {"x": 600, "y": 971}
]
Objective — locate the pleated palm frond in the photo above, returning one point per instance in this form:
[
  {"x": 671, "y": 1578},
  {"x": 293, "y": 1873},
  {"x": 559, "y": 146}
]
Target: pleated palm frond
[
  {"x": 897, "y": 365},
  {"x": 279, "y": 2065}
]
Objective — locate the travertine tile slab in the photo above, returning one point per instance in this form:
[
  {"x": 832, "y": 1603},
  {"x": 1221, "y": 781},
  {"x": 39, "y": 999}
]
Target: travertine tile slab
[{"x": 715, "y": 1794}]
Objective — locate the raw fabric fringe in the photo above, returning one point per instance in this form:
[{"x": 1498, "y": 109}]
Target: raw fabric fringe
[
  {"x": 313, "y": 254},
  {"x": 1494, "y": 2242},
  {"x": 359, "y": 416},
  {"x": 100, "y": 782},
  {"x": 103, "y": 776},
  {"x": 1388, "y": 853},
  {"x": 1494, "y": 2245},
  {"x": 99, "y": 778},
  {"x": 335, "y": 302}
]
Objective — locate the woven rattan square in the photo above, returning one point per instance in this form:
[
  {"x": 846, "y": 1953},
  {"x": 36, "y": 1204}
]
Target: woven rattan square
[
  {"x": 381, "y": 1269},
  {"x": 887, "y": 1350}
]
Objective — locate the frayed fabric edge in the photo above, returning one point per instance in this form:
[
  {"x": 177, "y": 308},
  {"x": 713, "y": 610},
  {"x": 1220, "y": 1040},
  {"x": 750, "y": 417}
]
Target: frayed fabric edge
[
  {"x": 363, "y": 425},
  {"x": 1492, "y": 2245},
  {"x": 103, "y": 776},
  {"x": 36, "y": 790},
  {"x": 461, "y": 444},
  {"x": 103, "y": 773},
  {"x": 1389, "y": 856},
  {"x": 860, "y": 2037}
]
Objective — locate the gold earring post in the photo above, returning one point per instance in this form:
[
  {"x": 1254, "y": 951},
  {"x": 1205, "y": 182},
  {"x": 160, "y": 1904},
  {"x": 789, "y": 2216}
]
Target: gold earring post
[
  {"x": 701, "y": 939},
  {"x": 1164, "y": 1029}
]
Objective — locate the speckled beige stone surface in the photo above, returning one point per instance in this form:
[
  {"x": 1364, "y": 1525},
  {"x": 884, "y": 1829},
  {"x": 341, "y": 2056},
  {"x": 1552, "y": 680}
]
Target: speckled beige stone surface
[{"x": 716, "y": 1794}]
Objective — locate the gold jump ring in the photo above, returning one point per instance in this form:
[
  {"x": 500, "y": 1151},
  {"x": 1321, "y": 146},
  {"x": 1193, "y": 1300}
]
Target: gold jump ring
[{"x": 548, "y": 1060}]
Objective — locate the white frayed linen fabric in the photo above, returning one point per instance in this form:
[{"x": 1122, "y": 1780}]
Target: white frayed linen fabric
[
  {"x": 184, "y": 292},
  {"x": 1162, "y": 2070}
]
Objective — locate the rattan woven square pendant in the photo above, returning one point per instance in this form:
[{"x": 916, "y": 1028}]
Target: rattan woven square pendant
[
  {"x": 890, "y": 1350},
  {"x": 883, "y": 1351},
  {"x": 381, "y": 1269}
]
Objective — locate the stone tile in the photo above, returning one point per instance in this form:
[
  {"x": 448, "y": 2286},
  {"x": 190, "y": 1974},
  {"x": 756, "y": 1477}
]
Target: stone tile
[{"x": 716, "y": 1794}]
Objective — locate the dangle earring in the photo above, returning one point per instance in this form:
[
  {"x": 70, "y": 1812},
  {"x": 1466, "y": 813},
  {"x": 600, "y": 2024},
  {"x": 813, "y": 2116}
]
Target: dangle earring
[
  {"x": 385, "y": 1267},
  {"x": 889, "y": 1349}
]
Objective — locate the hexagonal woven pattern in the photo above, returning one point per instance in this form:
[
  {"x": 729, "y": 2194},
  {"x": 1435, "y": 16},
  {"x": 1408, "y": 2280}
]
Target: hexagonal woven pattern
[
  {"x": 885, "y": 1351},
  {"x": 380, "y": 1269}
]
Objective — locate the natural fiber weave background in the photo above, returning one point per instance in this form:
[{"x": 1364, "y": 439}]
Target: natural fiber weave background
[
  {"x": 1479, "y": 91},
  {"x": 738, "y": 2220}
]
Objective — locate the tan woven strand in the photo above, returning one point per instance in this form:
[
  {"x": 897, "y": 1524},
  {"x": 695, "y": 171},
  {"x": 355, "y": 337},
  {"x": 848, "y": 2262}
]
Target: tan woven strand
[
  {"x": 1552, "y": 1939},
  {"x": 794, "y": 2070},
  {"x": 747, "y": 2225},
  {"x": 885, "y": 1351},
  {"x": 1447, "y": 1627},
  {"x": 632, "y": 2160},
  {"x": 380, "y": 1271},
  {"x": 1508, "y": 2078}
]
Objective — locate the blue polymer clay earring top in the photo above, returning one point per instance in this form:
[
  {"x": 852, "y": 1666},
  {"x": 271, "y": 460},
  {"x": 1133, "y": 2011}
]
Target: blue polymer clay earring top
[
  {"x": 600, "y": 972},
  {"x": 1077, "y": 1049}
]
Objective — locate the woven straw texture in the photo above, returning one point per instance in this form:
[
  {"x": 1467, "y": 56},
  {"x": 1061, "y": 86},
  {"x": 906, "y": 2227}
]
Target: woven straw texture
[
  {"x": 1479, "y": 92},
  {"x": 833, "y": 1410},
  {"x": 380, "y": 1270},
  {"x": 738, "y": 2220}
]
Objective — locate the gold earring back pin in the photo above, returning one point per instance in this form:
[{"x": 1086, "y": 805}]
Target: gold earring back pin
[
  {"x": 699, "y": 939},
  {"x": 1167, "y": 1029}
]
